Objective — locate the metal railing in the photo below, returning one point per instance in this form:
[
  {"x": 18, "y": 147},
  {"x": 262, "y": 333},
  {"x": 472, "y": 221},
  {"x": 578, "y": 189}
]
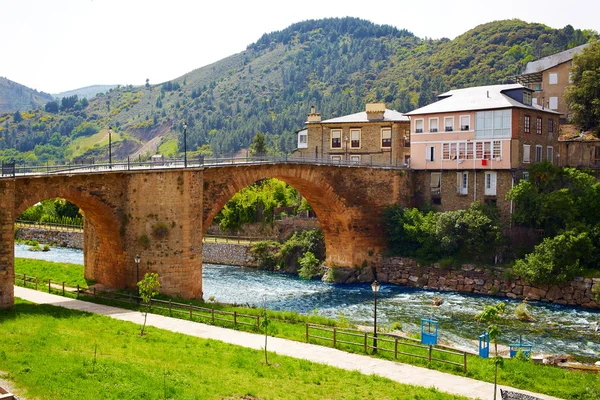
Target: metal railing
[
  {"x": 48, "y": 226},
  {"x": 14, "y": 169}
]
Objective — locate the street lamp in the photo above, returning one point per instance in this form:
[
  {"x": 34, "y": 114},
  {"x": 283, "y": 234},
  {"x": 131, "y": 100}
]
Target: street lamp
[
  {"x": 375, "y": 286},
  {"x": 137, "y": 275},
  {"x": 185, "y": 145},
  {"x": 110, "y": 131},
  {"x": 346, "y": 139}
]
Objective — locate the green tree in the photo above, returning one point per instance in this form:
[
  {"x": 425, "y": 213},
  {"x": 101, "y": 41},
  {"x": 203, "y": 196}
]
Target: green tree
[
  {"x": 492, "y": 315},
  {"x": 583, "y": 96},
  {"x": 259, "y": 145},
  {"x": 17, "y": 117},
  {"x": 264, "y": 324},
  {"x": 148, "y": 287},
  {"x": 309, "y": 266}
]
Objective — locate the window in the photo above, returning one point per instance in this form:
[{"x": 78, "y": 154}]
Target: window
[
  {"x": 527, "y": 124},
  {"x": 336, "y": 138},
  {"x": 433, "y": 125},
  {"x": 465, "y": 122},
  {"x": 490, "y": 184},
  {"x": 538, "y": 153},
  {"x": 430, "y": 156},
  {"x": 462, "y": 183},
  {"x": 487, "y": 150},
  {"x": 553, "y": 103},
  {"x": 527, "y": 97},
  {"x": 303, "y": 139},
  {"x": 355, "y": 159},
  {"x": 493, "y": 123},
  {"x": 336, "y": 159},
  {"x": 470, "y": 154},
  {"x": 526, "y": 153},
  {"x": 553, "y": 78},
  {"x": 550, "y": 125},
  {"x": 550, "y": 154},
  {"x": 355, "y": 138},
  {"x": 479, "y": 150},
  {"x": 386, "y": 138},
  {"x": 418, "y": 126},
  {"x": 462, "y": 150},
  {"x": 497, "y": 150},
  {"x": 449, "y": 124},
  {"x": 538, "y": 126},
  {"x": 445, "y": 151},
  {"x": 436, "y": 183},
  {"x": 526, "y": 175},
  {"x": 534, "y": 101}
]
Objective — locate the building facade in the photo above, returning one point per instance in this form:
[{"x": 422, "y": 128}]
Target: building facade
[
  {"x": 375, "y": 136},
  {"x": 549, "y": 77},
  {"x": 473, "y": 144}
]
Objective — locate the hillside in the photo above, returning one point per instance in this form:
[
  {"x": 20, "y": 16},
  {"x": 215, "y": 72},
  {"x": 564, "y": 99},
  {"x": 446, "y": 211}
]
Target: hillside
[
  {"x": 85, "y": 92},
  {"x": 335, "y": 64},
  {"x": 16, "y": 97}
]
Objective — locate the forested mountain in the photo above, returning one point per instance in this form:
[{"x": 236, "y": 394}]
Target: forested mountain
[
  {"x": 16, "y": 97},
  {"x": 88, "y": 92},
  {"x": 335, "y": 64}
]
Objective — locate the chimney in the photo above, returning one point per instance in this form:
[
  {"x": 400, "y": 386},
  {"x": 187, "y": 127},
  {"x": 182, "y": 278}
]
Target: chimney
[
  {"x": 314, "y": 116},
  {"x": 375, "y": 111}
]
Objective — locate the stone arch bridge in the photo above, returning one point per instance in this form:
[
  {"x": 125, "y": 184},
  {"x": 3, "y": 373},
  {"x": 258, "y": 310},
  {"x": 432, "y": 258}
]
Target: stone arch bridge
[{"x": 162, "y": 215}]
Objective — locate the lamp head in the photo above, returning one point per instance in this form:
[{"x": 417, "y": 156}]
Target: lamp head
[
  {"x": 375, "y": 286},
  {"x": 137, "y": 259}
]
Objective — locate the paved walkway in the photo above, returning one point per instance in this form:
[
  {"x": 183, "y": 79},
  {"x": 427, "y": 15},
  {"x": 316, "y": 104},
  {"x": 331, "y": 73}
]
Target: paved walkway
[{"x": 398, "y": 372}]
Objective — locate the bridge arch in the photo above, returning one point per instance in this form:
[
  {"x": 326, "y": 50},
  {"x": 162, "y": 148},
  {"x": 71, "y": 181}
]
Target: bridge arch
[
  {"x": 103, "y": 252},
  {"x": 334, "y": 215}
]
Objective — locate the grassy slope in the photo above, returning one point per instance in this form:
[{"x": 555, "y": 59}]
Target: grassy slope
[
  {"x": 49, "y": 352},
  {"x": 82, "y": 144},
  {"x": 537, "y": 378}
]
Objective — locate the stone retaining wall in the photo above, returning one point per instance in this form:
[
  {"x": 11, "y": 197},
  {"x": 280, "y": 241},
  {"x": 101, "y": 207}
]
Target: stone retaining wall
[
  {"x": 61, "y": 238},
  {"x": 489, "y": 281},
  {"x": 227, "y": 253}
]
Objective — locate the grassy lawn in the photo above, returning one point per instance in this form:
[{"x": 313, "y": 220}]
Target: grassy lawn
[
  {"x": 55, "y": 353},
  {"x": 71, "y": 274},
  {"x": 524, "y": 375}
]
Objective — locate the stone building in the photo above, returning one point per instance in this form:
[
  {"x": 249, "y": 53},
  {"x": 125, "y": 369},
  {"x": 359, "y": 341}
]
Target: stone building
[
  {"x": 474, "y": 143},
  {"x": 375, "y": 136},
  {"x": 549, "y": 77}
]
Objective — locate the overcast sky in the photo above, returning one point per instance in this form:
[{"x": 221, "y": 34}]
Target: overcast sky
[{"x": 59, "y": 45}]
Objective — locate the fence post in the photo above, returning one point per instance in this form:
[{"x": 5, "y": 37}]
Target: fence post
[
  {"x": 307, "y": 332},
  {"x": 334, "y": 337},
  {"x": 235, "y": 319},
  {"x": 170, "y": 312},
  {"x": 212, "y": 311},
  {"x": 365, "y": 345},
  {"x": 36, "y": 283},
  {"x": 465, "y": 361},
  {"x": 396, "y": 348},
  {"x": 258, "y": 322},
  {"x": 77, "y": 294},
  {"x": 94, "y": 292},
  {"x": 63, "y": 289},
  {"x": 49, "y": 281},
  {"x": 429, "y": 353},
  {"x": 25, "y": 279},
  {"x": 191, "y": 308}
]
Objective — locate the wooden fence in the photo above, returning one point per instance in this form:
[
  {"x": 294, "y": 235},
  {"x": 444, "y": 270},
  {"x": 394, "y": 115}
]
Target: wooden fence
[{"x": 392, "y": 344}]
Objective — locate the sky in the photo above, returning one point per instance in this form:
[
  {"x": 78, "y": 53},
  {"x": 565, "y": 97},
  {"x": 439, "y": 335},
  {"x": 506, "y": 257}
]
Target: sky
[{"x": 60, "y": 45}]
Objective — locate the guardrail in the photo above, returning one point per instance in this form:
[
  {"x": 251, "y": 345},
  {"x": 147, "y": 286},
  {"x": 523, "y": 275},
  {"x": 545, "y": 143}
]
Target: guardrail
[
  {"x": 13, "y": 169},
  {"x": 47, "y": 226},
  {"x": 395, "y": 345}
]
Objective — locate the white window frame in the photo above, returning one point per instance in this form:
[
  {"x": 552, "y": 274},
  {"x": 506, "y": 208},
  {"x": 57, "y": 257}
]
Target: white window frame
[
  {"x": 539, "y": 152},
  {"x": 386, "y": 130},
  {"x": 526, "y": 175},
  {"x": 437, "y": 123},
  {"x": 468, "y": 124},
  {"x": 422, "y": 128},
  {"x": 490, "y": 183},
  {"x": 336, "y": 158},
  {"x": 462, "y": 183},
  {"x": 430, "y": 153},
  {"x": 550, "y": 154},
  {"x": 303, "y": 144},
  {"x": 437, "y": 190},
  {"x": 352, "y": 146},
  {"x": 331, "y": 133},
  {"x": 526, "y": 154},
  {"x": 553, "y": 103},
  {"x": 446, "y": 124},
  {"x": 553, "y": 78},
  {"x": 355, "y": 159}
]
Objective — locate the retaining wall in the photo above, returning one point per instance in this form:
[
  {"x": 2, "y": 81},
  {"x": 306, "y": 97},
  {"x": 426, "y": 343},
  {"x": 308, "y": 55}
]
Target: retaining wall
[
  {"x": 61, "y": 238},
  {"x": 227, "y": 253}
]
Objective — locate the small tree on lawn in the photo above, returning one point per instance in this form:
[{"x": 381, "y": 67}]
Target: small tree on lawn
[
  {"x": 148, "y": 289},
  {"x": 491, "y": 315},
  {"x": 264, "y": 324}
]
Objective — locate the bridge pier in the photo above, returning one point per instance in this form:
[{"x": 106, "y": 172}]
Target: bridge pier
[{"x": 7, "y": 235}]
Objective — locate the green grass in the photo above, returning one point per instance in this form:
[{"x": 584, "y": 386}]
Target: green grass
[
  {"x": 82, "y": 144},
  {"x": 55, "y": 353},
  {"x": 524, "y": 375},
  {"x": 71, "y": 274},
  {"x": 168, "y": 148}
]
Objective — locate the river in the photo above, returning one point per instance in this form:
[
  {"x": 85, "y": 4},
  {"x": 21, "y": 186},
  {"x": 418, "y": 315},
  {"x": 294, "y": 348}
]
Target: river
[{"x": 557, "y": 329}]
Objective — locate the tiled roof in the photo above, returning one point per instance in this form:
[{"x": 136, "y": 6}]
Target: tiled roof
[
  {"x": 572, "y": 133},
  {"x": 476, "y": 98},
  {"x": 551, "y": 61},
  {"x": 388, "y": 116}
]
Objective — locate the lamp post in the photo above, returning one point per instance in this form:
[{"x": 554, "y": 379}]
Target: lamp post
[
  {"x": 375, "y": 286},
  {"x": 110, "y": 130},
  {"x": 137, "y": 276},
  {"x": 184, "y": 145},
  {"x": 346, "y": 139}
]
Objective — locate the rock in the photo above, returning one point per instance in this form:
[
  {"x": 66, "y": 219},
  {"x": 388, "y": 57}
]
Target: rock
[{"x": 511, "y": 295}]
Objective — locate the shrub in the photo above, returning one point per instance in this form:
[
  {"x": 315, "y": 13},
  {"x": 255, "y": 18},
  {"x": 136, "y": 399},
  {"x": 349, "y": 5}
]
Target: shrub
[
  {"x": 160, "y": 231},
  {"x": 309, "y": 266},
  {"x": 522, "y": 313}
]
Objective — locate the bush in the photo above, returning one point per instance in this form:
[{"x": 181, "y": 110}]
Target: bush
[{"x": 309, "y": 266}]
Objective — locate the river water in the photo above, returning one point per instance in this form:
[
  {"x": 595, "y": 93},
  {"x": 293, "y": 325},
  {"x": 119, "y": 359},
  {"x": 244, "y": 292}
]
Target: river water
[{"x": 557, "y": 329}]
